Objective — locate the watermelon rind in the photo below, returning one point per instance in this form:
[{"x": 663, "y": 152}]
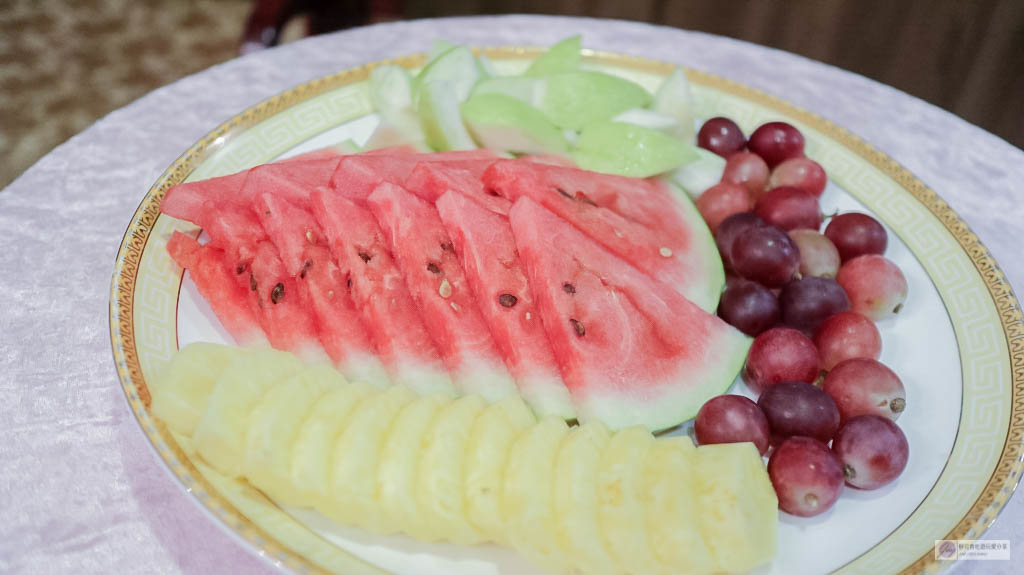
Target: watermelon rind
[{"x": 704, "y": 244}]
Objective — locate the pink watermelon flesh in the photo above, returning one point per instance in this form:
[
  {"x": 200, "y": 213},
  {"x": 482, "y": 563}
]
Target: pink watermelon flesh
[
  {"x": 426, "y": 256},
  {"x": 485, "y": 245},
  {"x": 357, "y": 176},
  {"x": 186, "y": 201},
  {"x": 635, "y": 219},
  {"x": 631, "y": 350},
  {"x": 283, "y": 310},
  {"x": 430, "y": 180},
  {"x": 380, "y": 293},
  {"x": 301, "y": 247},
  {"x": 211, "y": 271}
]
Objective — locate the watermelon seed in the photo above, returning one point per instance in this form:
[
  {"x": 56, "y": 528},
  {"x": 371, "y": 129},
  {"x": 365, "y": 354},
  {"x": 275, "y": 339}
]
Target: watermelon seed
[
  {"x": 529, "y": 315},
  {"x": 277, "y": 293},
  {"x": 448, "y": 247},
  {"x": 445, "y": 289},
  {"x": 365, "y": 257},
  {"x": 432, "y": 268},
  {"x": 240, "y": 269},
  {"x": 581, "y": 197},
  {"x": 580, "y": 330},
  {"x": 665, "y": 252},
  {"x": 305, "y": 267},
  {"x": 618, "y": 234},
  {"x": 455, "y": 306},
  {"x": 568, "y": 288},
  {"x": 309, "y": 236},
  {"x": 252, "y": 282},
  {"x": 266, "y": 213},
  {"x": 563, "y": 192},
  {"x": 348, "y": 282},
  {"x": 508, "y": 300}
]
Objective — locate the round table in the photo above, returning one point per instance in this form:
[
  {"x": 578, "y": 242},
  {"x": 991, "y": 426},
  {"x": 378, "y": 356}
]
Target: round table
[{"x": 80, "y": 490}]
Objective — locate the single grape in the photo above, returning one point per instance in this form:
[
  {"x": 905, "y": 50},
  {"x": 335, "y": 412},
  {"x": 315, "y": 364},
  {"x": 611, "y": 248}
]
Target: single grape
[
  {"x": 732, "y": 419},
  {"x": 749, "y": 306},
  {"x": 799, "y": 408},
  {"x": 721, "y": 136},
  {"x": 806, "y": 475},
  {"x": 818, "y": 256},
  {"x": 802, "y": 172},
  {"x": 776, "y": 142},
  {"x": 721, "y": 201},
  {"x": 789, "y": 208},
  {"x": 873, "y": 451},
  {"x": 747, "y": 170},
  {"x": 729, "y": 229},
  {"x": 856, "y": 234},
  {"x": 765, "y": 254},
  {"x": 806, "y": 302},
  {"x": 865, "y": 386},
  {"x": 875, "y": 285},
  {"x": 847, "y": 335},
  {"x": 780, "y": 354}
]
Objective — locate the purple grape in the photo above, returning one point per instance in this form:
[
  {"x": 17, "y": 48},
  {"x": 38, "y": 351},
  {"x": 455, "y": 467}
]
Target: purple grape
[
  {"x": 730, "y": 229},
  {"x": 749, "y": 307},
  {"x": 806, "y": 302},
  {"x": 799, "y": 408},
  {"x": 721, "y": 136},
  {"x": 765, "y": 254}
]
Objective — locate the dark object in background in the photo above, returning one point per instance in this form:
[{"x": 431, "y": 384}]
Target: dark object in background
[{"x": 269, "y": 17}]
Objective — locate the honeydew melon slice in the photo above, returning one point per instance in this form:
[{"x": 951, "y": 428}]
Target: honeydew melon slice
[
  {"x": 487, "y": 449},
  {"x": 183, "y": 387},
  {"x": 220, "y": 434},
  {"x": 441, "y": 119},
  {"x": 648, "y": 119},
  {"x": 529, "y": 90},
  {"x": 391, "y": 96},
  {"x": 674, "y": 99},
  {"x": 274, "y": 425},
  {"x": 564, "y": 56},
  {"x": 629, "y": 150},
  {"x": 575, "y": 99},
  {"x": 455, "y": 67},
  {"x": 501, "y": 122}
]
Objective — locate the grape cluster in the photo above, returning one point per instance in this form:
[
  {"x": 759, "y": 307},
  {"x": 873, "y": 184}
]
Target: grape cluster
[{"x": 827, "y": 407}]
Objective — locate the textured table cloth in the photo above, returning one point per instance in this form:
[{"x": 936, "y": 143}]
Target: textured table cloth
[{"x": 81, "y": 491}]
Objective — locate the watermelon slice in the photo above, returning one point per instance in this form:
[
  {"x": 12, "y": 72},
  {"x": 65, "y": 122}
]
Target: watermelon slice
[
  {"x": 357, "y": 176},
  {"x": 631, "y": 350},
  {"x": 485, "y": 245},
  {"x": 211, "y": 271},
  {"x": 432, "y": 271},
  {"x": 430, "y": 180},
  {"x": 380, "y": 294},
  {"x": 283, "y": 310},
  {"x": 322, "y": 283},
  {"x": 641, "y": 221}
]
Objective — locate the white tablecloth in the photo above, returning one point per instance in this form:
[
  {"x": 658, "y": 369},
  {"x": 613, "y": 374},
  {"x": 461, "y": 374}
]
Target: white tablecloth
[{"x": 80, "y": 491}]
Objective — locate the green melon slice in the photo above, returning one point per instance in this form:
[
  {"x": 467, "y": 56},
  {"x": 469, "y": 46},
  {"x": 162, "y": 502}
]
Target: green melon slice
[
  {"x": 630, "y": 150},
  {"x": 562, "y": 57},
  {"x": 501, "y": 122},
  {"x": 674, "y": 99},
  {"x": 575, "y": 99},
  {"x": 631, "y": 350}
]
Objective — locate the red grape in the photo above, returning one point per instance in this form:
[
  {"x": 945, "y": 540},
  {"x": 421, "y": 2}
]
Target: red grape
[
  {"x": 856, "y": 234},
  {"x": 818, "y": 256},
  {"x": 780, "y": 354},
  {"x": 765, "y": 254},
  {"x": 789, "y": 208},
  {"x": 721, "y": 201},
  {"x": 806, "y": 475},
  {"x": 847, "y": 335},
  {"x": 798, "y": 408},
  {"x": 747, "y": 170},
  {"x": 806, "y": 302},
  {"x": 749, "y": 306},
  {"x": 729, "y": 229},
  {"x": 803, "y": 173},
  {"x": 776, "y": 142},
  {"x": 876, "y": 286},
  {"x": 861, "y": 385},
  {"x": 872, "y": 450},
  {"x": 732, "y": 419},
  {"x": 721, "y": 136}
]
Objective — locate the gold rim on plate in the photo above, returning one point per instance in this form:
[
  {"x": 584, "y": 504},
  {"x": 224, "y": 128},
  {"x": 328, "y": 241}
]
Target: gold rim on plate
[{"x": 981, "y": 514}]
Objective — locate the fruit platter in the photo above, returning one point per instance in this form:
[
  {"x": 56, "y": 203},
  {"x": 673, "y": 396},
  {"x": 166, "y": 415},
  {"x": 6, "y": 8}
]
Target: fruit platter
[{"x": 551, "y": 310}]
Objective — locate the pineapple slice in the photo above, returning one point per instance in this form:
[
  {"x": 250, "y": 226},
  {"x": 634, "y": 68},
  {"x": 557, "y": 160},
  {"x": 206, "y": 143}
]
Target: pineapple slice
[
  {"x": 527, "y": 495},
  {"x": 181, "y": 391},
  {"x": 396, "y": 471},
  {"x": 311, "y": 451},
  {"x": 356, "y": 455},
  {"x": 492, "y": 434},
  {"x": 274, "y": 424},
  {"x": 575, "y": 499},
  {"x": 737, "y": 512},
  {"x": 439, "y": 487},
  {"x": 620, "y": 509},
  {"x": 220, "y": 435},
  {"x": 672, "y": 507}
]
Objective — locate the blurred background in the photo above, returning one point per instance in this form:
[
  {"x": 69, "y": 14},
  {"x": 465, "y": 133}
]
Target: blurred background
[{"x": 65, "y": 64}]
